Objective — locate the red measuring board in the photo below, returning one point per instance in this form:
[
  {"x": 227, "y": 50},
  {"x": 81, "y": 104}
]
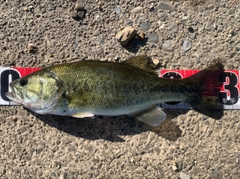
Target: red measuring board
[{"x": 228, "y": 96}]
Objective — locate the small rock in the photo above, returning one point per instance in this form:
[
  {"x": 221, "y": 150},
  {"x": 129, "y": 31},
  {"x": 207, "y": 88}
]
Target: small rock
[
  {"x": 190, "y": 29},
  {"x": 137, "y": 9},
  {"x": 118, "y": 9},
  {"x": 75, "y": 16},
  {"x": 79, "y": 7},
  {"x": 237, "y": 47},
  {"x": 153, "y": 38},
  {"x": 184, "y": 176},
  {"x": 156, "y": 62},
  {"x": 210, "y": 6},
  {"x": 2, "y": 36},
  {"x": 57, "y": 164},
  {"x": 52, "y": 7},
  {"x": 128, "y": 22},
  {"x": 98, "y": 51},
  {"x": 80, "y": 12},
  {"x": 125, "y": 35},
  {"x": 79, "y": 15},
  {"x": 152, "y": 7},
  {"x": 30, "y": 8},
  {"x": 215, "y": 26},
  {"x": 25, "y": 8},
  {"x": 166, "y": 6},
  {"x": 21, "y": 39},
  {"x": 100, "y": 8},
  {"x": 63, "y": 176},
  {"x": 174, "y": 168},
  {"x": 202, "y": 40},
  {"x": 187, "y": 45},
  {"x": 145, "y": 26},
  {"x": 62, "y": 55},
  {"x": 231, "y": 11},
  {"x": 140, "y": 34},
  {"x": 193, "y": 36},
  {"x": 32, "y": 47},
  {"x": 168, "y": 45},
  {"x": 161, "y": 15}
]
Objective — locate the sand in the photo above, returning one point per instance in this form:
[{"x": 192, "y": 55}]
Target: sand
[{"x": 187, "y": 145}]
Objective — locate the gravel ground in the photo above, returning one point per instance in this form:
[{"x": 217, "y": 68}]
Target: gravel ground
[{"x": 180, "y": 35}]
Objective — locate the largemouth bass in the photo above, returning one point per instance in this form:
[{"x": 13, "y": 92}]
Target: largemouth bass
[{"x": 133, "y": 87}]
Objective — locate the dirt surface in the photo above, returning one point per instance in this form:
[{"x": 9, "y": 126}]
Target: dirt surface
[{"x": 179, "y": 35}]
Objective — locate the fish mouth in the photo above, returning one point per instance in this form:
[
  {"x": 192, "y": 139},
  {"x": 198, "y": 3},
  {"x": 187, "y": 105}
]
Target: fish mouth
[{"x": 13, "y": 96}]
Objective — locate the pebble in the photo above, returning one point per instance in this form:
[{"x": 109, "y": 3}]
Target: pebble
[
  {"x": 210, "y": 6},
  {"x": 145, "y": 26},
  {"x": 63, "y": 176},
  {"x": 140, "y": 34},
  {"x": 32, "y": 47},
  {"x": 2, "y": 36},
  {"x": 79, "y": 15},
  {"x": 117, "y": 9},
  {"x": 156, "y": 61},
  {"x": 153, "y": 38},
  {"x": 174, "y": 167},
  {"x": 190, "y": 29},
  {"x": 21, "y": 39},
  {"x": 30, "y": 8},
  {"x": 98, "y": 51},
  {"x": 166, "y": 6},
  {"x": 75, "y": 16},
  {"x": 161, "y": 15},
  {"x": 184, "y": 176},
  {"x": 79, "y": 12},
  {"x": 125, "y": 35},
  {"x": 231, "y": 11},
  {"x": 193, "y": 36},
  {"x": 52, "y": 7},
  {"x": 187, "y": 45},
  {"x": 168, "y": 45},
  {"x": 79, "y": 7},
  {"x": 137, "y": 9},
  {"x": 215, "y": 26}
]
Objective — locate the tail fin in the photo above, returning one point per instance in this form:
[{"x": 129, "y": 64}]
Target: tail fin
[{"x": 206, "y": 88}]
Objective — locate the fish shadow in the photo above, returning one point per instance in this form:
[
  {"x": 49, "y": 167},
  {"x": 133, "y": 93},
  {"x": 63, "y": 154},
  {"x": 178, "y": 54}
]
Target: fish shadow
[{"x": 110, "y": 128}]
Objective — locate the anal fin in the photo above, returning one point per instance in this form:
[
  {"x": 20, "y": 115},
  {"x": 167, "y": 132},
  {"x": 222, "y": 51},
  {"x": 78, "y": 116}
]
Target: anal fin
[{"x": 153, "y": 116}]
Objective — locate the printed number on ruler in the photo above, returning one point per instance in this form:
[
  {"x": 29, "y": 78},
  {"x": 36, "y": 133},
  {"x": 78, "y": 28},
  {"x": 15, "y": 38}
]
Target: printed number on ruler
[
  {"x": 6, "y": 75},
  {"x": 229, "y": 93}
]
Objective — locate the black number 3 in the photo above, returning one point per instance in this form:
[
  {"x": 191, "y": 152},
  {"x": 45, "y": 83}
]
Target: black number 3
[{"x": 230, "y": 87}]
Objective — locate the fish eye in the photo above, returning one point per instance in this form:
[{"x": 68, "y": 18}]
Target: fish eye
[{"x": 23, "y": 82}]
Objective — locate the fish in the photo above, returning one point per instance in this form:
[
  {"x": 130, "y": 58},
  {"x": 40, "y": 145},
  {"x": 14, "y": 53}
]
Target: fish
[{"x": 131, "y": 87}]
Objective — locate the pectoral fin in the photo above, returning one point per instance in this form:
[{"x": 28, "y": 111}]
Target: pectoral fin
[
  {"x": 83, "y": 114},
  {"x": 78, "y": 99},
  {"x": 152, "y": 116}
]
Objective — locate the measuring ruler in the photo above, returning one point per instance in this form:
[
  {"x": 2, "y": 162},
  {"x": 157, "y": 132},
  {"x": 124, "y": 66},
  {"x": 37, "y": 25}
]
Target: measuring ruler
[{"x": 228, "y": 95}]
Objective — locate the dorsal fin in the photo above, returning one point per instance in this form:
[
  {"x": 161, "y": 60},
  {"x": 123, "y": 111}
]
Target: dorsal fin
[{"x": 142, "y": 62}]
